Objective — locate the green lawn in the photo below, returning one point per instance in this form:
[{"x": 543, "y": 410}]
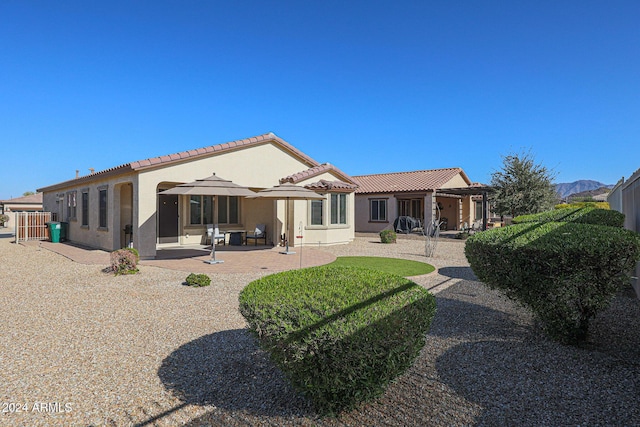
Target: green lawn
[{"x": 401, "y": 267}]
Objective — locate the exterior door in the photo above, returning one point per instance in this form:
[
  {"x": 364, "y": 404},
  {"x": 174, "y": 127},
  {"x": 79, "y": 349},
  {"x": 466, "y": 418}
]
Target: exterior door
[{"x": 167, "y": 218}]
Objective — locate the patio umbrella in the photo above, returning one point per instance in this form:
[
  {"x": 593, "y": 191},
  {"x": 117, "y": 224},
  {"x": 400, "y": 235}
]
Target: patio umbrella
[
  {"x": 287, "y": 192},
  {"x": 210, "y": 186}
]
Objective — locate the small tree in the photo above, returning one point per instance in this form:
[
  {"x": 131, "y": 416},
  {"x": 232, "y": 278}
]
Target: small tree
[
  {"x": 522, "y": 186},
  {"x": 28, "y": 193}
]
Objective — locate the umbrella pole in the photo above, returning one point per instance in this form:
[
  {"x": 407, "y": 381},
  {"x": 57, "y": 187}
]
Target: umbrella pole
[
  {"x": 286, "y": 231},
  {"x": 213, "y": 259}
]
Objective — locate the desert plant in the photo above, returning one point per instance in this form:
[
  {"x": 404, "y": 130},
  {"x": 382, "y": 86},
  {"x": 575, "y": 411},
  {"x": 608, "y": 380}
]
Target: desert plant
[
  {"x": 198, "y": 280},
  {"x": 340, "y": 334},
  {"x": 388, "y": 236},
  {"x": 123, "y": 262},
  {"x": 135, "y": 252},
  {"x": 564, "y": 272}
]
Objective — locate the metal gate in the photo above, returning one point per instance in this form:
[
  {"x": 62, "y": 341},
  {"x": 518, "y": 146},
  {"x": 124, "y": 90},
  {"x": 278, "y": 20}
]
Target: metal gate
[{"x": 32, "y": 225}]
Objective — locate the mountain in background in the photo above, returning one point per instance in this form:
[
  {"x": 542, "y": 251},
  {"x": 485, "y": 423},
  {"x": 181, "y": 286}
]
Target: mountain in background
[{"x": 567, "y": 189}]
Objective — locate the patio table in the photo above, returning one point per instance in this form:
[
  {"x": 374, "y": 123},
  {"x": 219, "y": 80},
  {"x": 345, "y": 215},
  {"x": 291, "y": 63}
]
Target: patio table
[{"x": 236, "y": 237}]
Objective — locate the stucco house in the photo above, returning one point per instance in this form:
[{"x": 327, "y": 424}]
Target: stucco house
[
  {"x": 103, "y": 207},
  {"x": 424, "y": 195},
  {"x": 30, "y": 203}
]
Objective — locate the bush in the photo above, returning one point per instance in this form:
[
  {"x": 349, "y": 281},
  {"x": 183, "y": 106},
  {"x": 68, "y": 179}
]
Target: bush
[
  {"x": 564, "y": 272},
  {"x": 597, "y": 205},
  {"x": 4, "y": 218},
  {"x": 463, "y": 235},
  {"x": 135, "y": 252},
  {"x": 123, "y": 262},
  {"x": 198, "y": 280},
  {"x": 340, "y": 334},
  {"x": 586, "y": 215},
  {"x": 388, "y": 236}
]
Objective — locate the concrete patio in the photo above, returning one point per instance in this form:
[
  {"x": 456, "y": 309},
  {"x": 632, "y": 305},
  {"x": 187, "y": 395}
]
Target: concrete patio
[{"x": 237, "y": 259}]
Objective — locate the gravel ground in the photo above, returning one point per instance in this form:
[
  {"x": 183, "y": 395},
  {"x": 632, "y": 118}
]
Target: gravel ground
[{"x": 81, "y": 347}]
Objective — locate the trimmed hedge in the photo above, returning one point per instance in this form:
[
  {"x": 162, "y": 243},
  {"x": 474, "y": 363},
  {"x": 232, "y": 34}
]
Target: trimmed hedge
[
  {"x": 198, "y": 280},
  {"x": 340, "y": 334},
  {"x": 586, "y": 215},
  {"x": 564, "y": 272},
  {"x": 599, "y": 205},
  {"x": 388, "y": 236}
]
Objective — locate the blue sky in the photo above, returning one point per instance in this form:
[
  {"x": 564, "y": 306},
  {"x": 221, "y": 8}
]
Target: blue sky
[{"x": 370, "y": 86}]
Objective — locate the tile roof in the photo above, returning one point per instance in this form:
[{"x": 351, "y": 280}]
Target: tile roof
[
  {"x": 30, "y": 199},
  {"x": 424, "y": 180},
  {"x": 337, "y": 186},
  {"x": 188, "y": 155},
  {"x": 315, "y": 171}
]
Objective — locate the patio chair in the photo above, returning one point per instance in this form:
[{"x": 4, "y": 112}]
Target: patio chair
[
  {"x": 213, "y": 233},
  {"x": 258, "y": 233}
]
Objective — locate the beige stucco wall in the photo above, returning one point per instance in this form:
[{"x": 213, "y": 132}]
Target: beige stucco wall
[
  {"x": 108, "y": 238},
  {"x": 327, "y": 234},
  {"x": 456, "y": 182},
  {"x": 362, "y": 223},
  {"x": 132, "y": 199},
  {"x": 257, "y": 167}
]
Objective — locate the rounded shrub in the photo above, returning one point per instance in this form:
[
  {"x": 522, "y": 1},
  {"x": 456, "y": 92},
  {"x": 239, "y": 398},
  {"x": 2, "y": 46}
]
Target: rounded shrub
[
  {"x": 198, "y": 280},
  {"x": 340, "y": 334},
  {"x": 388, "y": 236},
  {"x": 564, "y": 272},
  {"x": 585, "y": 215}
]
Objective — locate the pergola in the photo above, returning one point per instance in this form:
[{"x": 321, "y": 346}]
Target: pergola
[{"x": 471, "y": 191}]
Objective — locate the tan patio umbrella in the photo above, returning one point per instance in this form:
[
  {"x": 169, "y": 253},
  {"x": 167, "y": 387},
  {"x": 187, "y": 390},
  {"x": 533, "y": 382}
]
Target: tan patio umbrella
[
  {"x": 287, "y": 192},
  {"x": 211, "y": 186}
]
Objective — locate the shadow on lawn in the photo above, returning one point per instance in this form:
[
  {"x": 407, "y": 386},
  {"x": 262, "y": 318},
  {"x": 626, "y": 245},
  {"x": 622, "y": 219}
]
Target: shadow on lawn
[{"x": 228, "y": 370}]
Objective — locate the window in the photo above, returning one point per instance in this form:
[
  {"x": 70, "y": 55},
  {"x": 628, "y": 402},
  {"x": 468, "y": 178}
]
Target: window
[
  {"x": 71, "y": 205},
  {"x": 338, "y": 209},
  {"x": 478, "y": 210},
  {"x": 201, "y": 209},
  {"x": 317, "y": 212},
  {"x": 102, "y": 198},
  {"x": 378, "y": 210},
  {"x": 228, "y": 210},
  {"x": 85, "y": 208}
]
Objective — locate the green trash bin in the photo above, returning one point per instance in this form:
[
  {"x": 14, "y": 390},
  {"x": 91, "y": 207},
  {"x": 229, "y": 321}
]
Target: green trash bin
[
  {"x": 54, "y": 231},
  {"x": 64, "y": 231}
]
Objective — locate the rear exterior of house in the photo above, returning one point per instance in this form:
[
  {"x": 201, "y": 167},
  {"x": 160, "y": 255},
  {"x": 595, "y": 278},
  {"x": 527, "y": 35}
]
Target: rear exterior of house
[
  {"x": 121, "y": 206},
  {"x": 381, "y": 198}
]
